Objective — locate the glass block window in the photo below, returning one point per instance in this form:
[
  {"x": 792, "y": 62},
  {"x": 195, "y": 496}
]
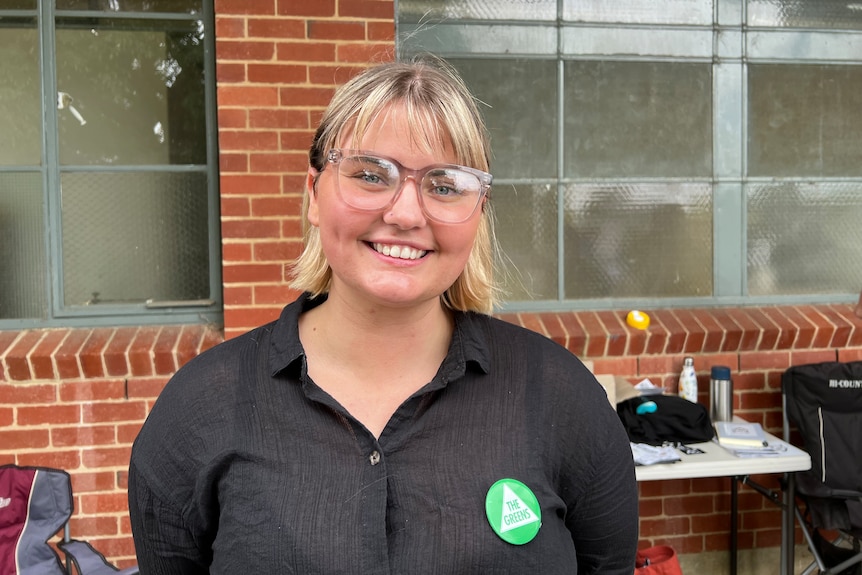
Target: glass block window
[
  {"x": 661, "y": 153},
  {"x": 107, "y": 187}
]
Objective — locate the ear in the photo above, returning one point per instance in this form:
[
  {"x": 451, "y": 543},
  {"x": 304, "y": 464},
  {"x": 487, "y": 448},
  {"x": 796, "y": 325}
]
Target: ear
[{"x": 310, "y": 188}]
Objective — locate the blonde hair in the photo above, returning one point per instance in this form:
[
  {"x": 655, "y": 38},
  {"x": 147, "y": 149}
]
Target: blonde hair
[{"x": 439, "y": 105}]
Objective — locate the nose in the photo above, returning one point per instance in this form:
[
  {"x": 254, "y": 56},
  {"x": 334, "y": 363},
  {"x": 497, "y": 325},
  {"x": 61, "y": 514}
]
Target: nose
[{"x": 405, "y": 211}]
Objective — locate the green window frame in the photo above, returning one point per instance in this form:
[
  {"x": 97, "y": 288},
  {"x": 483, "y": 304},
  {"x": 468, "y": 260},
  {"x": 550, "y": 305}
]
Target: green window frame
[{"x": 109, "y": 181}]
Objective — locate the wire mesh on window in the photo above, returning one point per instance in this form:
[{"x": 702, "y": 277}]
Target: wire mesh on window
[
  {"x": 638, "y": 119},
  {"x": 426, "y": 11},
  {"x": 132, "y": 237},
  {"x": 638, "y": 240},
  {"x": 805, "y": 120},
  {"x": 20, "y": 89},
  {"x": 519, "y": 103},
  {"x": 826, "y": 14},
  {"x": 804, "y": 238},
  {"x": 698, "y": 12},
  {"x": 22, "y": 246},
  {"x": 173, "y": 6},
  {"x": 527, "y": 220},
  {"x": 18, "y": 5}
]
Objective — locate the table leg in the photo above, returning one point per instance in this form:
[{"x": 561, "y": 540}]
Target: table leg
[
  {"x": 788, "y": 525},
  {"x": 733, "y": 524}
]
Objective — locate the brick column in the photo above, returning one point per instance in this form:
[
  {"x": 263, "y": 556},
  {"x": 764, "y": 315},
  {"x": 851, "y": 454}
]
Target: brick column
[{"x": 278, "y": 64}]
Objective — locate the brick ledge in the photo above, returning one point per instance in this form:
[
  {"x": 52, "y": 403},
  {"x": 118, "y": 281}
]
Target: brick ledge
[
  {"x": 73, "y": 353},
  {"x": 47, "y": 354},
  {"x": 596, "y": 334}
]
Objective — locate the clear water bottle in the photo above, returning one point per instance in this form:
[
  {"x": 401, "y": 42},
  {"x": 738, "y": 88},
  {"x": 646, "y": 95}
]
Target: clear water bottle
[{"x": 688, "y": 380}]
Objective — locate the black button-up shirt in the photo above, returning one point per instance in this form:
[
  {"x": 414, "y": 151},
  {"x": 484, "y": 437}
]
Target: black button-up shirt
[{"x": 246, "y": 466}]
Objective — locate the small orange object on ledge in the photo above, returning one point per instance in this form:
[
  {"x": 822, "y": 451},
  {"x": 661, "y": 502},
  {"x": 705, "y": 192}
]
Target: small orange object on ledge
[{"x": 637, "y": 319}]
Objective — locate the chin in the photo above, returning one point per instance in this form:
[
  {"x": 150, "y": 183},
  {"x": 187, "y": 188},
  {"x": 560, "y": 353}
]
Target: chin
[{"x": 402, "y": 297}]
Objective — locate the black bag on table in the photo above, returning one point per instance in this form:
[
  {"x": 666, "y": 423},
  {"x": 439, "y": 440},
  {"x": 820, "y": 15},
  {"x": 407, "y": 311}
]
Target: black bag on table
[{"x": 675, "y": 420}]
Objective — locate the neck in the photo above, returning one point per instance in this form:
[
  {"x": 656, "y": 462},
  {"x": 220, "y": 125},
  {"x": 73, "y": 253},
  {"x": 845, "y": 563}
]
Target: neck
[
  {"x": 371, "y": 360},
  {"x": 375, "y": 335}
]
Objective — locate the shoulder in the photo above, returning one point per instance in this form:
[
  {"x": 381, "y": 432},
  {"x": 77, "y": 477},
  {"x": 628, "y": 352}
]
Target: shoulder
[
  {"x": 561, "y": 398},
  {"x": 219, "y": 367},
  {"x": 195, "y": 417},
  {"x": 521, "y": 359},
  {"x": 504, "y": 334},
  {"x": 202, "y": 395},
  {"x": 511, "y": 342}
]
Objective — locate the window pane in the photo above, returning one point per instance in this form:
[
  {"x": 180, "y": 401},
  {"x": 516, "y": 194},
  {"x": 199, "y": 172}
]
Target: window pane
[
  {"x": 521, "y": 113},
  {"x": 150, "y": 6},
  {"x": 130, "y": 237},
  {"x": 22, "y": 248},
  {"x": 645, "y": 240},
  {"x": 804, "y": 238},
  {"x": 435, "y": 10},
  {"x": 20, "y": 93},
  {"x": 527, "y": 232},
  {"x": 131, "y": 92},
  {"x": 639, "y": 11},
  {"x": 828, "y": 14},
  {"x": 18, "y": 5},
  {"x": 638, "y": 119},
  {"x": 804, "y": 120}
]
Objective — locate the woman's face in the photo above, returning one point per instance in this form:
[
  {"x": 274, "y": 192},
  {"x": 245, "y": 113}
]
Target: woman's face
[{"x": 361, "y": 246}]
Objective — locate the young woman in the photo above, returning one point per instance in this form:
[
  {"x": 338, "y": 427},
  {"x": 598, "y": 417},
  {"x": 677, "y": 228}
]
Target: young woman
[{"x": 385, "y": 423}]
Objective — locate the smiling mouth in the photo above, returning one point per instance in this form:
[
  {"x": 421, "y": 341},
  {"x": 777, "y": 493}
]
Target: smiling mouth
[{"x": 400, "y": 252}]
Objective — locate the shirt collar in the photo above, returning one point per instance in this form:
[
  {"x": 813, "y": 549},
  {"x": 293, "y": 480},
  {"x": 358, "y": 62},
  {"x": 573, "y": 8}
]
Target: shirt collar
[
  {"x": 285, "y": 347},
  {"x": 472, "y": 328},
  {"x": 469, "y": 341}
]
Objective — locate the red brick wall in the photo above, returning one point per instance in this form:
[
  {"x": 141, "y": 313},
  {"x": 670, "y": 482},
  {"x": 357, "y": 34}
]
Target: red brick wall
[
  {"x": 278, "y": 64},
  {"x": 75, "y": 398}
]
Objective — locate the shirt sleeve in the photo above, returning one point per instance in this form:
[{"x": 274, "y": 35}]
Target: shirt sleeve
[
  {"x": 170, "y": 503},
  {"x": 604, "y": 524},
  {"x": 164, "y": 545}
]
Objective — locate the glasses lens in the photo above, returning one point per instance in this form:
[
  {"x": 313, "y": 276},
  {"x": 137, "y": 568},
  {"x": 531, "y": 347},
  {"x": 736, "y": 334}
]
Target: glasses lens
[
  {"x": 447, "y": 194},
  {"x": 450, "y": 194},
  {"x": 366, "y": 182}
]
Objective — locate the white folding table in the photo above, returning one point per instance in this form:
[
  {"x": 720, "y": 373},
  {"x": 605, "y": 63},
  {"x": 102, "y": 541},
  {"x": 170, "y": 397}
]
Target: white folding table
[{"x": 717, "y": 461}]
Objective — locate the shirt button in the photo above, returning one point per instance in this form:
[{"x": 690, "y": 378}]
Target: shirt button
[{"x": 374, "y": 458}]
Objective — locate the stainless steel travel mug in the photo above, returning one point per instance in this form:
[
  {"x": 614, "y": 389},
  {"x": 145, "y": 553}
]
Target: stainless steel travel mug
[{"x": 720, "y": 394}]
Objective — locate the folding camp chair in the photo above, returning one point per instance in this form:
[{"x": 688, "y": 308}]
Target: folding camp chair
[
  {"x": 88, "y": 561},
  {"x": 35, "y": 504},
  {"x": 824, "y": 402}
]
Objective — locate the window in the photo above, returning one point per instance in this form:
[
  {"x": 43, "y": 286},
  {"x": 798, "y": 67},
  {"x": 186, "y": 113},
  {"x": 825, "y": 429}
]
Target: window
[
  {"x": 665, "y": 152},
  {"x": 108, "y": 184}
]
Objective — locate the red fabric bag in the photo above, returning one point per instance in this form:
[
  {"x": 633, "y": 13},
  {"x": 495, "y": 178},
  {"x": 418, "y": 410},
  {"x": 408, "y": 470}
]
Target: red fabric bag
[{"x": 658, "y": 560}]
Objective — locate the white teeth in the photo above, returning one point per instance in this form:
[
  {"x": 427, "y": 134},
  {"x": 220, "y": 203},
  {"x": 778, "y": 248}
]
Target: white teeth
[{"x": 400, "y": 252}]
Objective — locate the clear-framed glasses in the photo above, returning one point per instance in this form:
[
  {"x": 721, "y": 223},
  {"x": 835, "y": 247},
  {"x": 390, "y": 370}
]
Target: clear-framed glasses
[{"x": 448, "y": 193}]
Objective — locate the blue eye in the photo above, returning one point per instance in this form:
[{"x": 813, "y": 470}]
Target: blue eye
[
  {"x": 442, "y": 190},
  {"x": 369, "y": 173},
  {"x": 370, "y": 177},
  {"x": 451, "y": 184}
]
